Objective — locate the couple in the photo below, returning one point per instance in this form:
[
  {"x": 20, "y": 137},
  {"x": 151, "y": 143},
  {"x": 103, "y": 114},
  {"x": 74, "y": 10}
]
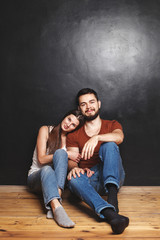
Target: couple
[{"x": 87, "y": 146}]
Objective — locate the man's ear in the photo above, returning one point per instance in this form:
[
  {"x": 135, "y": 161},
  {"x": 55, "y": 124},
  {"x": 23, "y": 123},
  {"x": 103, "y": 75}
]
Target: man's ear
[{"x": 99, "y": 103}]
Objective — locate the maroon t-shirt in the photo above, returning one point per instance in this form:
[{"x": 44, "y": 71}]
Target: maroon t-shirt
[{"x": 79, "y": 137}]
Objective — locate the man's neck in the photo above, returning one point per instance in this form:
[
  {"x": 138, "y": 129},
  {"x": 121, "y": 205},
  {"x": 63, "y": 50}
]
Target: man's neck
[
  {"x": 94, "y": 122},
  {"x": 93, "y": 127}
]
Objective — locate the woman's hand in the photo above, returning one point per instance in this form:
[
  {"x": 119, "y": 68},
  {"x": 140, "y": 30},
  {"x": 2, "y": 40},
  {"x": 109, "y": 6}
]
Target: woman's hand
[
  {"x": 75, "y": 172},
  {"x": 89, "y": 172},
  {"x": 74, "y": 156}
]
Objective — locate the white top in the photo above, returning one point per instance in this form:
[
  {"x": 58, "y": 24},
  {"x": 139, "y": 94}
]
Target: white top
[{"x": 36, "y": 166}]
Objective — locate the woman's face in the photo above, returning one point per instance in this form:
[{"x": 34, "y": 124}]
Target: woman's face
[{"x": 69, "y": 123}]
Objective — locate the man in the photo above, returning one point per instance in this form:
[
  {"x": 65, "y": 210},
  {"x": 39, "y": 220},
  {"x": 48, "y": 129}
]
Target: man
[{"x": 100, "y": 169}]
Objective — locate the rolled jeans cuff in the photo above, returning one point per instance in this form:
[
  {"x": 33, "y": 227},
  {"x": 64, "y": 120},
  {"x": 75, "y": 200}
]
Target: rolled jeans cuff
[
  {"x": 47, "y": 205},
  {"x": 111, "y": 181},
  {"x": 101, "y": 208}
]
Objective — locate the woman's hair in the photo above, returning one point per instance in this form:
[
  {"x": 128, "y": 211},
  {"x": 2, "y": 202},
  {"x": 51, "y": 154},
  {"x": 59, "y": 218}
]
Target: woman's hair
[{"x": 54, "y": 139}]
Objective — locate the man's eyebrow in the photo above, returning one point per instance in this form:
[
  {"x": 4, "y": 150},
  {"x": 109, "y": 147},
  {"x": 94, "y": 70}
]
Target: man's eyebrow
[
  {"x": 89, "y": 101},
  {"x": 82, "y": 103}
]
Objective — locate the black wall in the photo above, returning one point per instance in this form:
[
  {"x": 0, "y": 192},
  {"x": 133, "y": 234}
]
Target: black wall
[{"x": 52, "y": 49}]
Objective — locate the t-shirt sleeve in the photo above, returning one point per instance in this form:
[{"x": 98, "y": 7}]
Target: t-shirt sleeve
[
  {"x": 116, "y": 125},
  {"x": 72, "y": 140}
]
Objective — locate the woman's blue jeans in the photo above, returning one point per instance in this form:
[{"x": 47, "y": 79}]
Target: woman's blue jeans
[
  {"x": 110, "y": 170},
  {"x": 48, "y": 179}
]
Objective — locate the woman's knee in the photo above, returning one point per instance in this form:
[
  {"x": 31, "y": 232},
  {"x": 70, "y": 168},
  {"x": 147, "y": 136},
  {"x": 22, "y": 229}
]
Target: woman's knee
[
  {"x": 46, "y": 170},
  {"x": 60, "y": 153}
]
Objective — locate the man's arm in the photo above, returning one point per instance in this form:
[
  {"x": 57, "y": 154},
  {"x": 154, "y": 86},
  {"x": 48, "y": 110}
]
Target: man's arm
[{"x": 116, "y": 136}]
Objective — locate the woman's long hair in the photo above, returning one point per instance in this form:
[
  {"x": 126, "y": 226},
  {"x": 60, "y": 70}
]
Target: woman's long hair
[{"x": 54, "y": 139}]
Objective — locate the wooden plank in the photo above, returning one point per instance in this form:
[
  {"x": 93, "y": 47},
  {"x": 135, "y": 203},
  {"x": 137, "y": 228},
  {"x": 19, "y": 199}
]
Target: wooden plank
[
  {"x": 14, "y": 223},
  {"x": 83, "y": 233},
  {"x": 124, "y": 190},
  {"x": 75, "y": 238},
  {"x": 22, "y": 216}
]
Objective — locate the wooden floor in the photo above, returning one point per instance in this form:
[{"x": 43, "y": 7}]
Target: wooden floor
[{"x": 22, "y": 216}]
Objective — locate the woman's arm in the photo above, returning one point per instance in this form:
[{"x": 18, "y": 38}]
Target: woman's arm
[
  {"x": 42, "y": 139},
  {"x": 72, "y": 163},
  {"x": 74, "y": 156}
]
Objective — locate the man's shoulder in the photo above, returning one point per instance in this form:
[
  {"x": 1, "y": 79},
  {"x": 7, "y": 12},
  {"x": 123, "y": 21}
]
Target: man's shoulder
[
  {"x": 76, "y": 132},
  {"x": 105, "y": 121},
  {"x": 113, "y": 124},
  {"x": 109, "y": 121}
]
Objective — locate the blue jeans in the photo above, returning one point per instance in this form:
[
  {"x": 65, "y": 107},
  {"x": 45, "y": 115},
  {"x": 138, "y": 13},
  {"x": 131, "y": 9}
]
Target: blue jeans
[
  {"x": 48, "y": 179},
  {"x": 110, "y": 170}
]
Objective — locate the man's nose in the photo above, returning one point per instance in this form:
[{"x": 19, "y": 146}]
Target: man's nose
[{"x": 88, "y": 105}]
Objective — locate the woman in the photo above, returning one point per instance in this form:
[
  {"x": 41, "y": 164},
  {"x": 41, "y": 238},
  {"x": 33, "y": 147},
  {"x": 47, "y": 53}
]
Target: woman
[{"x": 49, "y": 167}]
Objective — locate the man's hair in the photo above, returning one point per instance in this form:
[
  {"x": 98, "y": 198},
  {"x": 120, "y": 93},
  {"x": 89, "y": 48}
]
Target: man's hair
[{"x": 84, "y": 91}]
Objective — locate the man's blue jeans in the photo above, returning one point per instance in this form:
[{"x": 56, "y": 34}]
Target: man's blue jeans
[
  {"x": 48, "y": 179},
  {"x": 110, "y": 170}
]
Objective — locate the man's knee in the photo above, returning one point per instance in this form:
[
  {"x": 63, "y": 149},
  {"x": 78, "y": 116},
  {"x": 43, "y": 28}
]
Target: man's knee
[
  {"x": 78, "y": 181},
  {"x": 108, "y": 149},
  {"x": 108, "y": 145},
  {"x": 74, "y": 181}
]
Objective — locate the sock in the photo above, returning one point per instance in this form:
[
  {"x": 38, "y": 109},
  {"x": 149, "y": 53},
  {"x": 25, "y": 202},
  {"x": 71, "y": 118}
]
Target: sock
[
  {"x": 112, "y": 195},
  {"x": 62, "y": 218},
  {"x": 50, "y": 214},
  {"x": 118, "y": 222}
]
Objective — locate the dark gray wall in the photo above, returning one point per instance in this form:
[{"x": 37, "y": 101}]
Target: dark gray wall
[{"x": 52, "y": 49}]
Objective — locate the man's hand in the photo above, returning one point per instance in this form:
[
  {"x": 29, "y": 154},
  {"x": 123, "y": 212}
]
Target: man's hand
[
  {"x": 75, "y": 172},
  {"x": 88, "y": 149}
]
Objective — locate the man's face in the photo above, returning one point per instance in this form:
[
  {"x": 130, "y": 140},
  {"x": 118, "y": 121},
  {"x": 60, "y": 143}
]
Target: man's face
[{"x": 89, "y": 106}]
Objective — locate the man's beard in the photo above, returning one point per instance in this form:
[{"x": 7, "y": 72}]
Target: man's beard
[{"x": 91, "y": 118}]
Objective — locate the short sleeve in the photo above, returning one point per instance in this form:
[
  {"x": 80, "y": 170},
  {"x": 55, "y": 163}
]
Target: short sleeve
[{"x": 116, "y": 125}]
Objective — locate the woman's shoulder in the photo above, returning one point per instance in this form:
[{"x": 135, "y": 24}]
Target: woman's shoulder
[
  {"x": 50, "y": 128},
  {"x": 45, "y": 127},
  {"x": 44, "y": 131}
]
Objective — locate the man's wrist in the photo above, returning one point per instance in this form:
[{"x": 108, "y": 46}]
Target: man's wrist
[{"x": 98, "y": 137}]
